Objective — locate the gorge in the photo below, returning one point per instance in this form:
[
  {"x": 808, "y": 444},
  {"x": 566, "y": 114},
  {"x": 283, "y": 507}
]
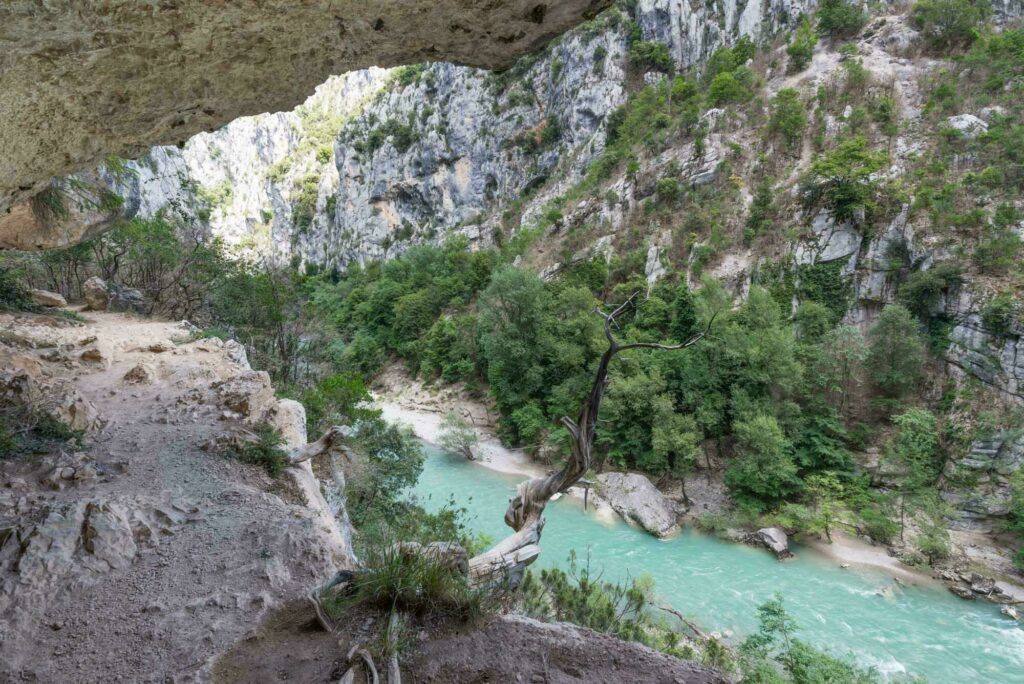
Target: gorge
[{"x": 827, "y": 195}]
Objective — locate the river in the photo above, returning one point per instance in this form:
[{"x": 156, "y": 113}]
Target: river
[{"x": 856, "y": 612}]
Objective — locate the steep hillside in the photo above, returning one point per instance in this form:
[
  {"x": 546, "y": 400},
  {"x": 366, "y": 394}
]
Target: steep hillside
[{"x": 835, "y": 199}]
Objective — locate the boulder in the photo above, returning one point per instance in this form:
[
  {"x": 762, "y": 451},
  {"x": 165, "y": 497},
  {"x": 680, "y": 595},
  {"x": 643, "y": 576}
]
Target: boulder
[
  {"x": 95, "y": 294},
  {"x": 1010, "y": 612},
  {"x": 249, "y": 394},
  {"x": 772, "y": 538},
  {"x": 126, "y": 299},
  {"x": 47, "y": 298},
  {"x": 634, "y": 498},
  {"x": 968, "y": 125},
  {"x": 963, "y": 591}
]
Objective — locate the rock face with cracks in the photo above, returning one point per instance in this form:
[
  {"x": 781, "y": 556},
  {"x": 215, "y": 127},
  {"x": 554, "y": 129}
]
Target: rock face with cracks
[{"x": 82, "y": 81}]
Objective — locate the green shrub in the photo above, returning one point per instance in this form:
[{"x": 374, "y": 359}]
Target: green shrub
[
  {"x": 668, "y": 190},
  {"x": 8, "y": 441},
  {"x": 263, "y": 450},
  {"x": 801, "y": 46},
  {"x": 419, "y": 583},
  {"x": 1000, "y": 314},
  {"x": 13, "y": 294},
  {"x": 841, "y": 179},
  {"x": 730, "y": 87},
  {"x": 583, "y": 598},
  {"x": 788, "y": 119},
  {"x": 877, "y": 525},
  {"x": 922, "y": 290},
  {"x": 762, "y": 212},
  {"x": 764, "y": 472},
  {"x": 651, "y": 56},
  {"x": 948, "y": 24},
  {"x": 896, "y": 355},
  {"x": 841, "y": 18}
]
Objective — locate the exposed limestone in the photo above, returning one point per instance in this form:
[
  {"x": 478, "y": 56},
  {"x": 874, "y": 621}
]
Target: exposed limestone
[
  {"x": 772, "y": 538},
  {"x": 82, "y": 82},
  {"x": 140, "y": 373},
  {"x": 637, "y": 500},
  {"x": 138, "y": 526},
  {"x": 44, "y": 298},
  {"x": 96, "y": 294},
  {"x": 248, "y": 394}
]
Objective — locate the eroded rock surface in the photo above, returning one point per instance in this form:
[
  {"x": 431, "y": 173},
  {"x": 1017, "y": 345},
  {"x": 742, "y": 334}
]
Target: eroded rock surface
[
  {"x": 634, "y": 498},
  {"x": 138, "y": 556},
  {"x": 84, "y": 81}
]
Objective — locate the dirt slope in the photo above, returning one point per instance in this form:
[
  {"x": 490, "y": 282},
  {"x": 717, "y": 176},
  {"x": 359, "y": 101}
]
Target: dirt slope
[{"x": 141, "y": 556}]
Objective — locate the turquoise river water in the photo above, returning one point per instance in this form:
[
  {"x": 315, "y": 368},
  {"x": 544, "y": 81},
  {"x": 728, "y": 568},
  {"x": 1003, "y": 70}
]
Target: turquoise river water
[{"x": 860, "y": 613}]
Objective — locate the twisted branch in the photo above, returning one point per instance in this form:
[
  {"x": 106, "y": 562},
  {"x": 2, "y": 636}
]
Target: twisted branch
[{"x": 507, "y": 560}]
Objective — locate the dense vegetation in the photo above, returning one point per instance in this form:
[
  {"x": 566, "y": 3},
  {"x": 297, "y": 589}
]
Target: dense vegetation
[{"x": 784, "y": 397}]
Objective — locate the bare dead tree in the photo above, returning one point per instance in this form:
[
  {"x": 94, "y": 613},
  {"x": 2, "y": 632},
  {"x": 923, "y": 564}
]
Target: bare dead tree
[{"x": 507, "y": 560}]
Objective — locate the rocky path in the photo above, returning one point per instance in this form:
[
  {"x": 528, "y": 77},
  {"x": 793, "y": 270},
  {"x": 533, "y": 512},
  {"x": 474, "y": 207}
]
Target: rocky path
[{"x": 140, "y": 556}]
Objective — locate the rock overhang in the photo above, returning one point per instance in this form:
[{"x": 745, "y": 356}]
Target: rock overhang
[{"x": 81, "y": 82}]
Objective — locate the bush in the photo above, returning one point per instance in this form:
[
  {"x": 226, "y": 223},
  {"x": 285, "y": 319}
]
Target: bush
[
  {"x": 922, "y": 290},
  {"x": 397, "y": 577},
  {"x": 1000, "y": 314},
  {"x": 801, "y": 46},
  {"x": 581, "y": 597},
  {"x": 668, "y": 190},
  {"x": 264, "y": 450},
  {"x": 841, "y": 179},
  {"x": 730, "y": 87},
  {"x": 840, "y": 18},
  {"x": 13, "y": 295},
  {"x": 879, "y": 526},
  {"x": 651, "y": 56},
  {"x": 948, "y": 24},
  {"x": 896, "y": 353},
  {"x": 788, "y": 119},
  {"x": 764, "y": 472}
]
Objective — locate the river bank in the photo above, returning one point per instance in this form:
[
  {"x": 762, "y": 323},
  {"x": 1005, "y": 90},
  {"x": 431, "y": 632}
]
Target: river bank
[{"x": 425, "y": 422}]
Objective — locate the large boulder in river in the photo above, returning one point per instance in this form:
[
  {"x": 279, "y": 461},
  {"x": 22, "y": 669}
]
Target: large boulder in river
[
  {"x": 637, "y": 500},
  {"x": 774, "y": 539},
  {"x": 95, "y": 294},
  {"x": 47, "y": 298}
]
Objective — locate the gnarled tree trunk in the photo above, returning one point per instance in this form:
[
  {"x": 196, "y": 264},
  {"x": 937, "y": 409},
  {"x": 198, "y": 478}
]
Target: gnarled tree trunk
[{"x": 507, "y": 560}]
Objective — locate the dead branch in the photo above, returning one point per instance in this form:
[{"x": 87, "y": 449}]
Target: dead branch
[
  {"x": 507, "y": 560},
  {"x": 329, "y": 441}
]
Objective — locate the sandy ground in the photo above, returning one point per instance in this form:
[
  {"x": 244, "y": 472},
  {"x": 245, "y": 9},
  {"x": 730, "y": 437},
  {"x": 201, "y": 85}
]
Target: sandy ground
[
  {"x": 847, "y": 549},
  {"x": 490, "y": 452}
]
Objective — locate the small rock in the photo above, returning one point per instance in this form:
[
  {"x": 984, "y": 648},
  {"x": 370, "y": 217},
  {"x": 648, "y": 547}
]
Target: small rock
[
  {"x": 160, "y": 347},
  {"x": 95, "y": 355},
  {"x": 962, "y": 591},
  {"x": 47, "y": 298},
  {"x": 1010, "y": 612},
  {"x": 67, "y": 473},
  {"x": 140, "y": 374}
]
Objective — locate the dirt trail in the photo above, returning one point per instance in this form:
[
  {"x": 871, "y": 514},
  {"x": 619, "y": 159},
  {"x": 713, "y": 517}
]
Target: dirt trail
[{"x": 140, "y": 557}]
